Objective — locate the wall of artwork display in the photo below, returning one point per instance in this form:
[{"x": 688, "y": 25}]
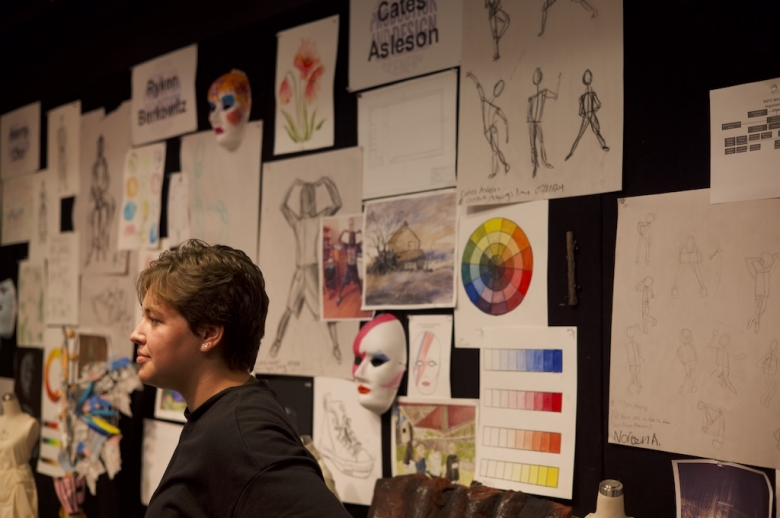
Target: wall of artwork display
[{"x": 427, "y": 164}]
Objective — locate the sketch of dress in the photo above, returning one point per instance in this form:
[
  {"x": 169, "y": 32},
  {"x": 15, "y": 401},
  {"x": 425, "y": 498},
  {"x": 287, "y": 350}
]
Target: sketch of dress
[
  {"x": 714, "y": 423},
  {"x": 589, "y": 105},
  {"x": 102, "y": 207},
  {"x": 768, "y": 366},
  {"x": 645, "y": 230},
  {"x": 549, "y": 3},
  {"x": 689, "y": 257},
  {"x": 535, "y": 111},
  {"x": 305, "y": 224},
  {"x": 499, "y": 23},
  {"x": 646, "y": 287},
  {"x": 339, "y": 444},
  {"x": 761, "y": 269},
  {"x": 687, "y": 356},
  {"x": 634, "y": 361},
  {"x": 491, "y": 116}
]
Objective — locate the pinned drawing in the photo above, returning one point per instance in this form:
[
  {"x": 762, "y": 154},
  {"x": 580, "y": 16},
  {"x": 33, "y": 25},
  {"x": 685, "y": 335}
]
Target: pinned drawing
[
  {"x": 62, "y": 273},
  {"x": 62, "y": 168},
  {"x": 18, "y": 209},
  {"x": 646, "y": 287},
  {"x": 768, "y": 366},
  {"x": 492, "y": 115},
  {"x": 42, "y": 211},
  {"x": 549, "y": 3},
  {"x": 426, "y": 363},
  {"x": 634, "y": 361},
  {"x": 721, "y": 374},
  {"x": 341, "y": 271},
  {"x": 645, "y": 230},
  {"x": 499, "y": 23},
  {"x": 689, "y": 257},
  {"x": 31, "y": 304},
  {"x": 761, "y": 269},
  {"x": 139, "y": 224},
  {"x": 535, "y": 111},
  {"x": 687, "y": 356},
  {"x": 64, "y": 148},
  {"x": 429, "y": 356},
  {"x": 340, "y": 445},
  {"x": 20, "y": 133},
  {"x": 589, "y": 105},
  {"x": 101, "y": 210},
  {"x": 714, "y": 423}
]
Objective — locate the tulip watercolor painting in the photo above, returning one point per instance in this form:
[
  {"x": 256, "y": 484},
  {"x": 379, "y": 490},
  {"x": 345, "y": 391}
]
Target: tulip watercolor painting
[{"x": 306, "y": 61}]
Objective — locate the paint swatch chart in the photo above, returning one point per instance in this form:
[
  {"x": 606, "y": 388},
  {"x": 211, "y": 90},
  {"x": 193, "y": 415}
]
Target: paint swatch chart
[{"x": 526, "y": 434}]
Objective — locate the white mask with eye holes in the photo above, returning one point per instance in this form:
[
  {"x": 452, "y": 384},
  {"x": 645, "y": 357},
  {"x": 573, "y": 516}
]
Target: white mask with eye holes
[
  {"x": 228, "y": 121},
  {"x": 7, "y": 308},
  {"x": 380, "y": 362}
]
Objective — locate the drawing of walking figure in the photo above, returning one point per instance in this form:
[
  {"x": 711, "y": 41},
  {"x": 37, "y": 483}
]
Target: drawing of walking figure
[
  {"x": 645, "y": 230},
  {"x": 761, "y": 269},
  {"x": 687, "y": 356},
  {"x": 102, "y": 208},
  {"x": 491, "y": 116},
  {"x": 62, "y": 168},
  {"x": 304, "y": 287},
  {"x": 646, "y": 287},
  {"x": 689, "y": 256},
  {"x": 721, "y": 372},
  {"x": 589, "y": 105},
  {"x": 634, "y": 361},
  {"x": 769, "y": 367},
  {"x": 499, "y": 23},
  {"x": 535, "y": 110},
  {"x": 549, "y": 3},
  {"x": 713, "y": 419}
]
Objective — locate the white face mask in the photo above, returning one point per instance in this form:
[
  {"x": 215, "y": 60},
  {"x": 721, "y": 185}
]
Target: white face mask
[
  {"x": 380, "y": 362},
  {"x": 426, "y": 365},
  {"x": 7, "y": 308},
  {"x": 228, "y": 114}
]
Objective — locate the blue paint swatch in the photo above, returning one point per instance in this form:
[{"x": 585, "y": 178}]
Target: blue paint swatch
[{"x": 524, "y": 360}]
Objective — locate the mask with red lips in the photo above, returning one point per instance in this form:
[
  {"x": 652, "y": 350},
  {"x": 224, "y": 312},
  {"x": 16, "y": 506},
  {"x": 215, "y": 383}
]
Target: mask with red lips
[{"x": 380, "y": 362}]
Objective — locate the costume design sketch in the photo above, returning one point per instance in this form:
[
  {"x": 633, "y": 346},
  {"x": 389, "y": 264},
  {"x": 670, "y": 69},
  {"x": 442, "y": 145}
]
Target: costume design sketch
[
  {"x": 499, "y": 23},
  {"x": 549, "y": 3},
  {"x": 768, "y": 366},
  {"x": 645, "y": 230},
  {"x": 492, "y": 116},
  {"x": 589, "y": 105},
  {"x": 687, "y": 356},
  {"x": 634, "y": 361},
  {"x": 340, "y": 445},
  {"x": 761, "y": 269},
  {"x": 689, "y": 257},
  {"x": 645, "y": 286},
  {"x": 101, "y": 208},
  {"x": 535, "y": 111}
]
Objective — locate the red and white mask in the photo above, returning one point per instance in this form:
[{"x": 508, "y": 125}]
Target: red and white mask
[{"x": 380, "y": 362}]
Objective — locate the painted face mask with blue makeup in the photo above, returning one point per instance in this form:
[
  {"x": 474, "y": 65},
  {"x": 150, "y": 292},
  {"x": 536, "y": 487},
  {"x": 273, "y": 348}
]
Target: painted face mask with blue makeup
[
  {"x": 380, "y": 362},
  {"x": 230, "y": 101}
]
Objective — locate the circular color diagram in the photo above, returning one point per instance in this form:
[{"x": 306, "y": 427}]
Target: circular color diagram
[{"x": 497, "y": 266}]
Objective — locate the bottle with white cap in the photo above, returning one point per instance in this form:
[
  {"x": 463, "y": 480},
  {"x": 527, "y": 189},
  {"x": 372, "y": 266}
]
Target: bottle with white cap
[{"x": 610, "y": 500}]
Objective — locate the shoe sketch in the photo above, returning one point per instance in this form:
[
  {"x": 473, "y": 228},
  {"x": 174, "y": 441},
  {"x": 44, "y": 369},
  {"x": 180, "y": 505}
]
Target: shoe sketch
[{"x": 339, "y": 444}]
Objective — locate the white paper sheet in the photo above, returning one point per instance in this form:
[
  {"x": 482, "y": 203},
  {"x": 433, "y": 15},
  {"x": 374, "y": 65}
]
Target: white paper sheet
[
  {"x": 18, "y": 209},
  {"x": 528, "y": 410},
  {"x": 105, "y": 141},
  {"x": 139, "y": 220},
  {"x": 62, "y": 279},
  {"x": 305, "y": 71},
  {"x": 46, "y": 213},
  {"x": 387, "y": 45},
  {"x": 164, "y": 102},
  {"x": 108, "y": 303},
  {"x": 64, "y": 146},
  {"x": 224, "y": 188},
  {"x": 502, "y": 277},
  {"x": 296, "y": 193},
  {"x": 745, "y": 142},
  {"x": 20, "y": 141},
  {"x": 410, "y": 251},
  {"x": 694, "y": 333},
  {"x": 408, "y": 132},
  {"x": 159, "y": 443},
  {"x": 32, "y": 304},
  {"x": 541, "y": 114},
  {"x": 430, "y": 348},
  {"x": 179, "y": 208},
  {"x": 51, "y": 435},
  {"x": 349, "y": 438}
]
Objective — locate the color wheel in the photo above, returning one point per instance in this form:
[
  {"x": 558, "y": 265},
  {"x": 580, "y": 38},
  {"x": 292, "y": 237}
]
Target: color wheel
[{"x": 497, "y": 266}]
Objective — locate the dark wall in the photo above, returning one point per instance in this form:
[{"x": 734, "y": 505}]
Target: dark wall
[{"x": 675, "y": 52}]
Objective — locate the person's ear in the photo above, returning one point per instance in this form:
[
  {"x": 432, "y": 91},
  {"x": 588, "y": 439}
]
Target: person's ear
[{"x": 212, "y": 335}]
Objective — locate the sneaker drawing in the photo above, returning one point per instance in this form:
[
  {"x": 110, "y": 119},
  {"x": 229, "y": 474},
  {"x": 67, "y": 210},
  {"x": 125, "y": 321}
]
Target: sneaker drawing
[{"x": 339, "y": 444}]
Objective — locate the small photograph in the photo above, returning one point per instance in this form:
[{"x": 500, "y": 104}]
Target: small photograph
[{"x": 169, "y": 405}]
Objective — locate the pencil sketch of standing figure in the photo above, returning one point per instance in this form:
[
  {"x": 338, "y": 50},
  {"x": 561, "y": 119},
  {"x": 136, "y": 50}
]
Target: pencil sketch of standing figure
[
  {"x": 549, "y": 3},
  {"x": 714, "y": 423},
  {"x": 721, "y": 373},
  {"x": 102, "y": 207},
  {"x": 634, "y": 361},
  {"x": 62, "y": 168},
  {"x": 761, "y": 269},
  {"x": 768, "y": 366},
  {"x": 646, "y": 287},
  {"x": 535, "y": 111},
  {"x": 645, "y": 230},
  {"x": 42, "y": 213},
  {"x": 499, "y": 23},
  {"x": 492, "y": 115},
  {"x": 305, "y": 224},
  {"x": 589, "y": 105},
  {"x": 687, "y": 356},
  {"x": 689, "y": 257}
]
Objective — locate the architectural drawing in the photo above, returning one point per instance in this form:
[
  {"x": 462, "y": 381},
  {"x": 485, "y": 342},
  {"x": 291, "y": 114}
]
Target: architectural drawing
[
  {"x": 62, "y": 163},
  {"x": 761, "y": 269},
  {"x": 304, "y": 287},
  {"x": 687, "y": 356},
  {"x": 101, "y": 209},
  {"x": 689, "y": 257},
  {"x": 646, "y": 287},
  {"x": 589, "y": 105},
  {"x": 721, "y": 373},
  {"x": 492, "y": 115},
  {"x": 535, "y": 111},
  {"x": 499, "y": 23},
  {"x": 714, "y": 423},
  {"x": 634, "y": 361},
  {"x": 645, "y": 230},
  {"x": 549, "y": 3},
  {"x": 768, "y": 366},
  {"x": 339, "y": 444}
]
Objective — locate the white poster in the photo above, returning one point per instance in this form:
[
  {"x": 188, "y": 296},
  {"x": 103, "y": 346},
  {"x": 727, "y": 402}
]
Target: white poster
[
  {"x": 296, "y": 193},
  {"x": 224, "y": 189},
  {"x": 541, "y": 100},
  {"x": 305, "y": 71},
  {"x": 390, "y": 41},
  {"x": 179, "y": 208},
  {"x": 528, "y": 410},
  {"x": 62, "y": 279},
  {"x": 693, "y": 368},
  {"x": 139, "y": 220},
  {"x": 159, "y": 443},
  {"x": 18, "y": 209},
  {"x": 108, "y": 304},
  {"x": 408, "y": 132},
  {"x": 349, "y": 438},
  {"x": 32, "y": 304},
  {"x": 64, "y": 146},
  {"x": 502, "y": 275},
  {"x": 52, "y": 404},
  {"x": 46, "y": 213},
  {"x": 164, "y": 103},
  {"x": 430, "y": 350},
  {"x": 745, "y": 142},
  {"x": 20, "y": 141},
  {"x": 105, "y": 141}
]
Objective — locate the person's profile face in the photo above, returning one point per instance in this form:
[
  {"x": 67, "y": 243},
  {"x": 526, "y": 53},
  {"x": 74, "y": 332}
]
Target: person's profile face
[{"x": 427, "y": 364}]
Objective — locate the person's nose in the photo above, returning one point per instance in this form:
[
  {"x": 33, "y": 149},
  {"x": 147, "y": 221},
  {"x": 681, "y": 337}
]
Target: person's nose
[{"x": 137, "y": 336}]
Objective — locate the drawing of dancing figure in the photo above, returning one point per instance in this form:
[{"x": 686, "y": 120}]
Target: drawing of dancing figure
[
  {"x": 689, "y": 256},
  {"x": 535, "y": 110},
  {"x": 549, "y": 3},
  {"x": 62, "y": 168},
  {"x": 304, "y": 288},
  {"x": 634, "y": 361},
  {"x": 102, "y": 208},
  {"x": 769, "y": 367},
  {"x": 687, "y": 356},
  {"x": 499, "y": 23},
  {"x": 644, "y": 228},
  {"x": 491, "y": 115},
  {"x": 713, "y": 417},
  {"x": 721, "y": 372},
  {"x": 761, "y": 269},
  {"x": 589, "y": 105},
  {"x": 646, "y": 287}
]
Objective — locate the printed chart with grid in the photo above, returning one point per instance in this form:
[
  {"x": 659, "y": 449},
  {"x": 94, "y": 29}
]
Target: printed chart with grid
[
  {"x": 529, "y": 440},
  {"x": 523, "y": 400},
  {"x": 533, "y": 474},
  {"x": 524, "y": 360}
]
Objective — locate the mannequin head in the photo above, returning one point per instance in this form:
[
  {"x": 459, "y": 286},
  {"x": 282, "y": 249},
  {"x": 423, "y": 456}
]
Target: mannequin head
[
  {"x": 426, "y": 366},
  {"x": 380, "y": 362},
  {"x": 7, "y": 308},
  {"x": 230, "y": 101}
]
